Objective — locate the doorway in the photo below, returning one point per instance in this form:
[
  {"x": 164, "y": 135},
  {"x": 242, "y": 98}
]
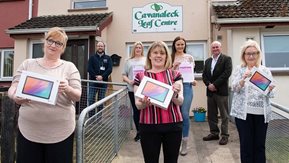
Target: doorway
[{"x": 77, "y": 52}]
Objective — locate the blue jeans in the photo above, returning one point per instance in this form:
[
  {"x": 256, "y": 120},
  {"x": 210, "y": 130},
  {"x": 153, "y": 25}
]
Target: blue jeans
[
  {"x": 100, "y": 90},
  {"x": 185, "y": 108}
]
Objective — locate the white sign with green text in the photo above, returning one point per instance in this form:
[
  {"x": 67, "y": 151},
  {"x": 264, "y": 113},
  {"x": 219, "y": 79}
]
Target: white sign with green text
[{"x": 157, "y": 17}]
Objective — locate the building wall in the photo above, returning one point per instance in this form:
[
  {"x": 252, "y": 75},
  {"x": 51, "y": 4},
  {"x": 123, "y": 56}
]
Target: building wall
[
  {"x": 21, "y": 52},
  {"x": 11, "y": 13},
  {"x": 196, "y": 27}
]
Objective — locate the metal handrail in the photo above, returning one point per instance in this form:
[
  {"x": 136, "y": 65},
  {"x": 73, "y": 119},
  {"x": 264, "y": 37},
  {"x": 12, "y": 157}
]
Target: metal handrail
[{"x": 81, "y": 120}]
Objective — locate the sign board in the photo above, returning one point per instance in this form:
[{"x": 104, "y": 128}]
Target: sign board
[{"x": 157, "y": 17}]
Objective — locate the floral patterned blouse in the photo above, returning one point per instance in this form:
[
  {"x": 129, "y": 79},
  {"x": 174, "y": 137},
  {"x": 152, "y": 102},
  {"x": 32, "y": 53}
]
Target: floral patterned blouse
[{"x": 248, "y": 100}]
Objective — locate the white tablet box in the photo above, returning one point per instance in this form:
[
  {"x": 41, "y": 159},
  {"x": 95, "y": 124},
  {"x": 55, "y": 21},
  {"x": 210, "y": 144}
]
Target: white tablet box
[
  {"x": 159, "y": 93},
  {"x": 38, "y": 87},
  {"x": 260, "y": 81}
]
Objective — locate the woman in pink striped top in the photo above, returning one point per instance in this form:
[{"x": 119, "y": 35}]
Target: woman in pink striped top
[{"x": 158, "y": 126}]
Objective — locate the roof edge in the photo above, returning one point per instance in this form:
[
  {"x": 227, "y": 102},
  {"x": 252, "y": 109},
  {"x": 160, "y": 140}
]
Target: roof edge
[
  {"x": 251, "y": 20},
  {"x": 43, "y": 30}
]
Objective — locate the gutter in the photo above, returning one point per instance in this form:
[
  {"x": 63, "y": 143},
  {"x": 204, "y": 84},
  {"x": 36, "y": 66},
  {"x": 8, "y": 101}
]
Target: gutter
[
  {"x": 251, "y": 20},
  {"x": 43, "y": 30}
]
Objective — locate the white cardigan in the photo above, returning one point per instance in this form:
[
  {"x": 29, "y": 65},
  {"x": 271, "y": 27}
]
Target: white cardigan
[{"x": 241, "y": 95}]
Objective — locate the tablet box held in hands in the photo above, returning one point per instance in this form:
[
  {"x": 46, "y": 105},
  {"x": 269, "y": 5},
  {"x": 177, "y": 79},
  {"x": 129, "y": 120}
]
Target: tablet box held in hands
[
  {"x": 159, "y": 93},
  {"x": 260, "y": 81},
  {"x": 38, "y": 87}
]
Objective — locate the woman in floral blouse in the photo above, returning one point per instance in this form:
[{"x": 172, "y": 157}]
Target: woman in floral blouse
[{"x": 250, "y": 107}]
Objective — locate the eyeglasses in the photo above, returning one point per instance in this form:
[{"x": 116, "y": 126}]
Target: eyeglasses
[
  {"x": 253, "y": 54},
  {"x": 57, "y": 43}
]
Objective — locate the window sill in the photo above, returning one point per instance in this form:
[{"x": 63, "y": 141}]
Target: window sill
[
  {"x": 88, "y": 9},
  {"x": 280, "y": 72},
  {"x": 198, "y": 76}
]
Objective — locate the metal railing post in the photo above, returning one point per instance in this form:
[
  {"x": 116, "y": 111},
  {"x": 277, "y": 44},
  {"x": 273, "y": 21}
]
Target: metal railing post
[{"x": 116, "y": 127}]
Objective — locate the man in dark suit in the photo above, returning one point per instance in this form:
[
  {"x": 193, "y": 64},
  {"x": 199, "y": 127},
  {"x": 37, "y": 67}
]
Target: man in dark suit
[{"x": 217, "y": 71}]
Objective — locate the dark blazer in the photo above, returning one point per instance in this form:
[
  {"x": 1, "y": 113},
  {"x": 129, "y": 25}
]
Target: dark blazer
[{"x": 220, "y": 76}]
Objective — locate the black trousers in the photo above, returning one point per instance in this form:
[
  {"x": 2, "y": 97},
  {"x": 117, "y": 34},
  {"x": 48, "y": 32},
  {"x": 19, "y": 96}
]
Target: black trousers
[
  {"x": 167, "y": 135},
  {"x": 136, "y": 112},
  {"x": 31, "y": 152},
  {"x": 252, "y": 134},
  {"x": 218, "y": 103}
]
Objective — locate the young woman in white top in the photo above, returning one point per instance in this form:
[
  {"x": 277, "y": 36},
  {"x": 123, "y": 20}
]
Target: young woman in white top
[{"x": 179, "y": 56}]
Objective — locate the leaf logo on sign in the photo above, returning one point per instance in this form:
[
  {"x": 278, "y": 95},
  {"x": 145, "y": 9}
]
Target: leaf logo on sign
[{"x": 156, "y": 7}]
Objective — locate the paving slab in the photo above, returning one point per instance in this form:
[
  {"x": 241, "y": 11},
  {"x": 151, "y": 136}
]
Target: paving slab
[{"x": 199, "y": 151}]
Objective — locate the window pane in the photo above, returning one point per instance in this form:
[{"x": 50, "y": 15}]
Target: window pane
[
  {"x": 37, "y": 51},
  {"x": 276, "y": 51},
  {"x": 8, "y": 63},
  {"x": 197, "y": 50},
  {"x": 89, "y": 4}
]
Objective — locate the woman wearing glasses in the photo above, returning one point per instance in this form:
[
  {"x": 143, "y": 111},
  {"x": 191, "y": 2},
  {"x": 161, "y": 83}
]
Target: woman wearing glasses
[
  {"x": 45, "y": 131},
  {"x": 250, "y": 107}
]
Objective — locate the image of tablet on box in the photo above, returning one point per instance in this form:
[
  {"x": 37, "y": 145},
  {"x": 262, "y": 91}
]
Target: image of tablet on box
[
  {"x": 38, "y": 87},
  {"x": 260, "y": 81},
  {"x": 159, "y": 93}
]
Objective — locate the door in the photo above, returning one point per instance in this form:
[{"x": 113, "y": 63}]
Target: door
[{"x": 77, "y": 52}]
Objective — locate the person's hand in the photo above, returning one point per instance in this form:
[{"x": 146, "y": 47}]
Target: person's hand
[
  {"x": 271, "y": 87},
  {"x": 63, "y": 86},
  {"x": 176, "y": 89},
  {"x": 146, "y": 101},
  {"x": 212, "y": 87},
  {"x": 131, "y": 82},
  {"x": 20, "y": 100},
  {"x": 98, "y": 78},
  {"x": 176, "y": 65},
  {"x": 194, "y": 83},
  {"x": 247, "y": 74}
]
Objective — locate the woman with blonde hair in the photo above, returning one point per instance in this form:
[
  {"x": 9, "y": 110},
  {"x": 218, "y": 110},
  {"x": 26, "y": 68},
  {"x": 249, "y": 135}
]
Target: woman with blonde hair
[
  {"x": 133, "y": 65},
  {"x": 251, "y": 109},
  {"x": 46, "y": 132},
  {"x": 159, "y": 126}
]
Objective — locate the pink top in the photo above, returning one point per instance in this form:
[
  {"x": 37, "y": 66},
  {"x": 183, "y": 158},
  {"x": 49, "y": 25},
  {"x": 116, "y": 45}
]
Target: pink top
[
  {"x": 44, "y": 123},
  {"x": 154, "y": 114}
]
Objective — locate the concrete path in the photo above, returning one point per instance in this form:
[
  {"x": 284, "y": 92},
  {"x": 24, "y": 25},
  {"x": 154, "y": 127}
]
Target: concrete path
[{"x": 199, "y": 150}]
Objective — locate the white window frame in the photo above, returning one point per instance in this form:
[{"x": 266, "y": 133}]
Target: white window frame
[
  {"x": 31, "y": 46},
  {"x": 2, "y": 78},
  {"x": 264, "y": 34},
  {"x": 202, "y": 43},
  {"x": 79, "y": 1}
]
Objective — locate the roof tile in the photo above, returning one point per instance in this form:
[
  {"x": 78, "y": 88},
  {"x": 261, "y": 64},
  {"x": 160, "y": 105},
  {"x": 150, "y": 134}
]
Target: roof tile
[
  {"x": 252, "y": 9},
  {"x": 49, "y": 21}
]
